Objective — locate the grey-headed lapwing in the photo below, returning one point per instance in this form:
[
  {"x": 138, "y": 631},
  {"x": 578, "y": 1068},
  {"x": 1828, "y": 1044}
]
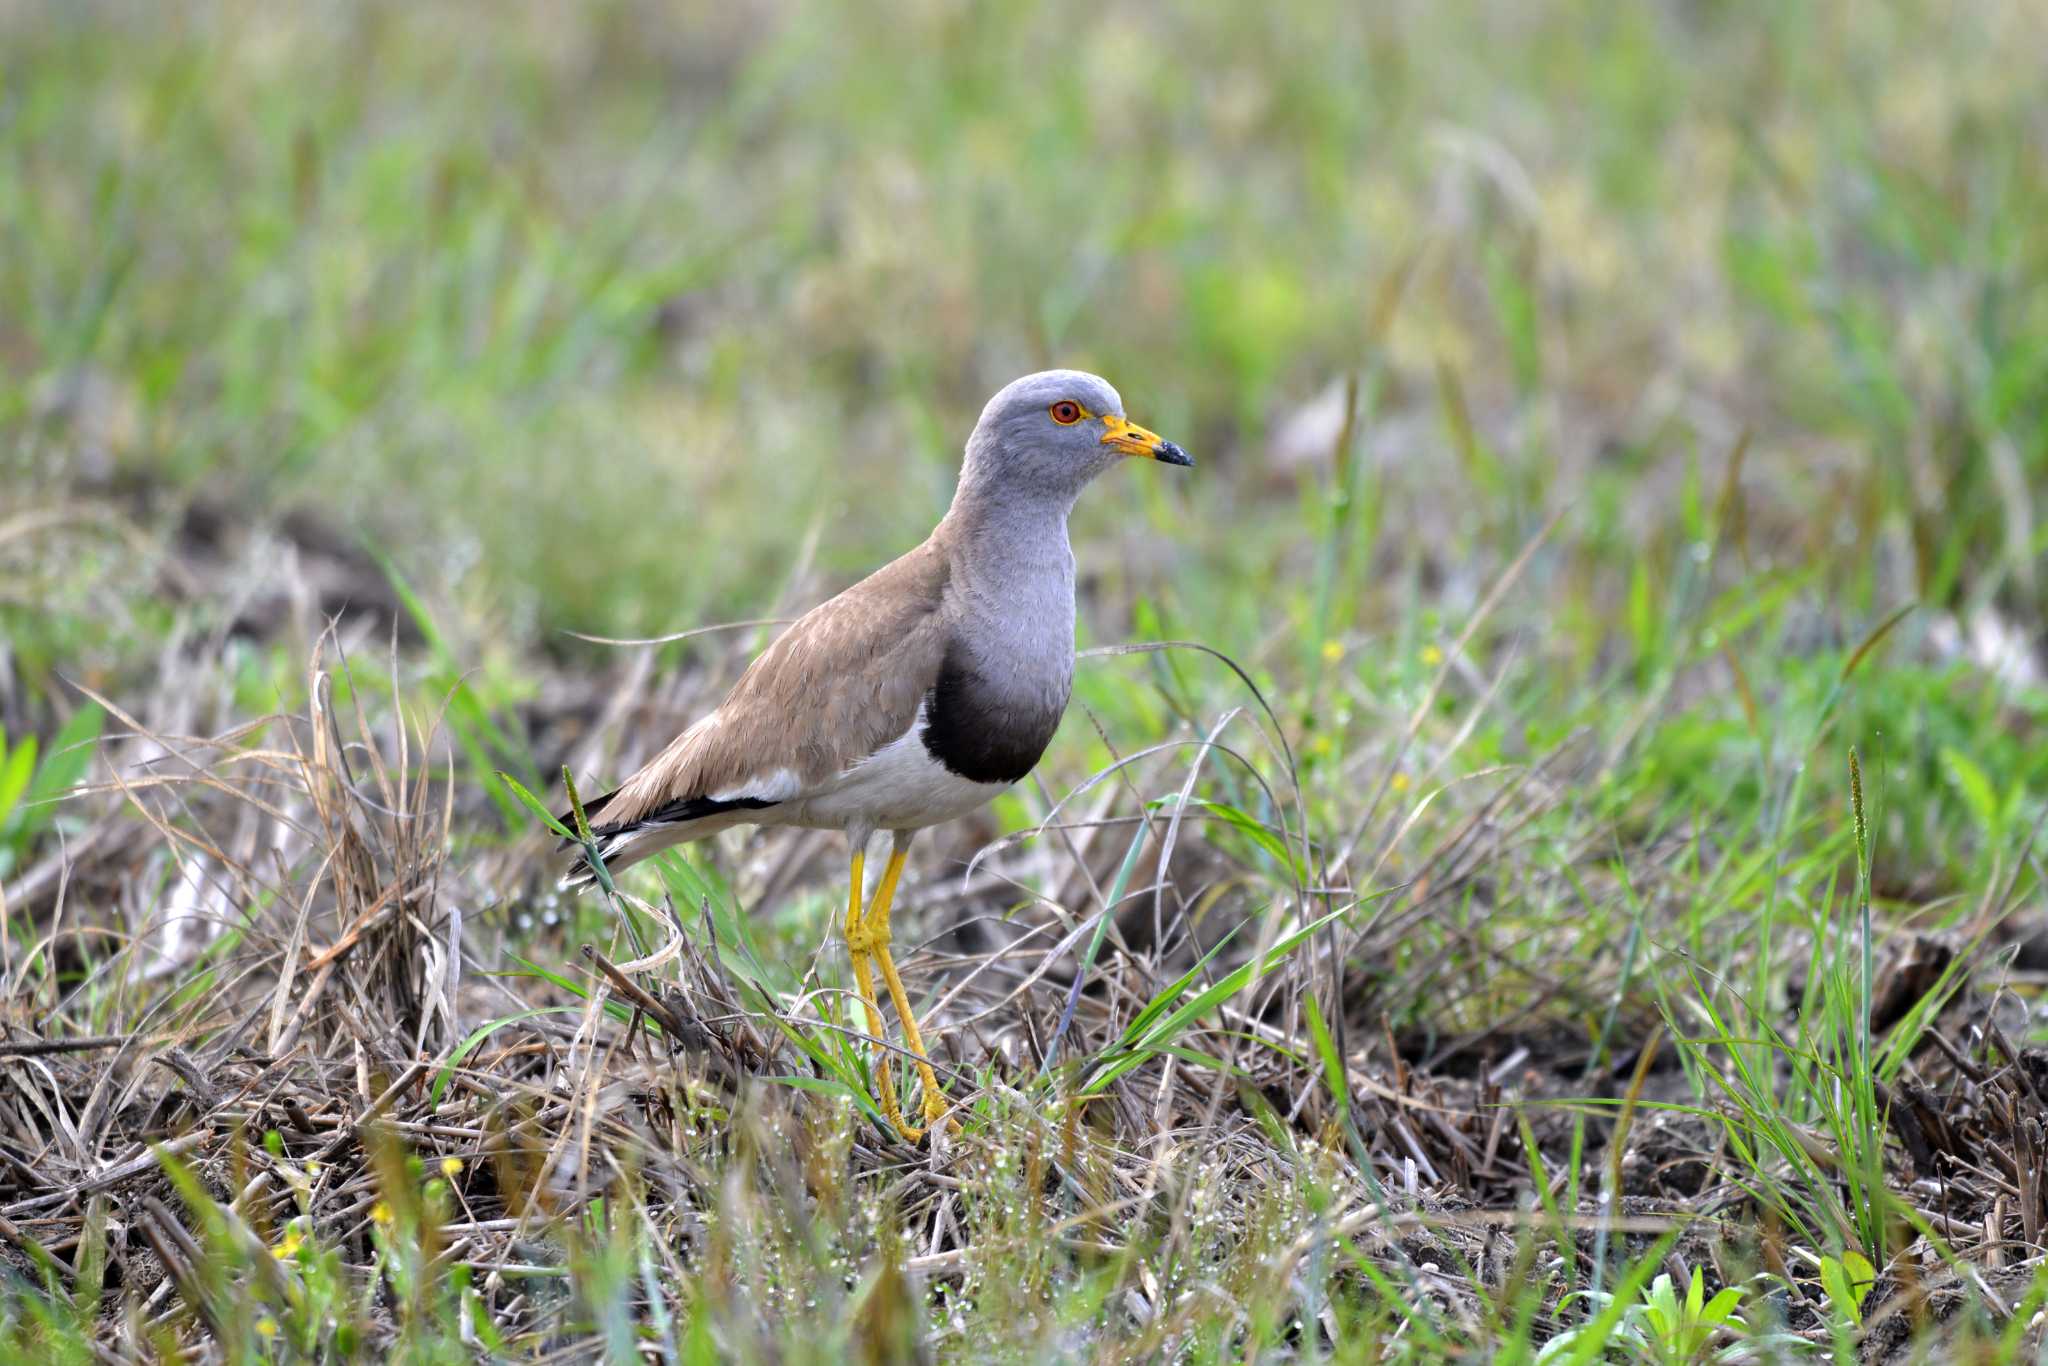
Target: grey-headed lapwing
[{"x": 917, "y": 694}]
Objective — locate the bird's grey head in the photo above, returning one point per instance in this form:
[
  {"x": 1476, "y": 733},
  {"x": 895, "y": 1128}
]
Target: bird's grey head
[{"x": 1043, "y": 437}]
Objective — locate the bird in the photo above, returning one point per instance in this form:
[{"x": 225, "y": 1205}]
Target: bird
[{"x": 913, "y": 697}]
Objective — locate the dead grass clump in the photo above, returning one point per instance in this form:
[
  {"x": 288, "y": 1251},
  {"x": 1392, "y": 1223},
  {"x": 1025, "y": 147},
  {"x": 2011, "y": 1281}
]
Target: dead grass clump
[{"x": 295, "y": 965}]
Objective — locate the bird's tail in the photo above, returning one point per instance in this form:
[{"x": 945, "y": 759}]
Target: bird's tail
[
  {"x": 627, "y": 843},
  {"x": 581, "y": 874},
  {"x": 611, "y": 845}
]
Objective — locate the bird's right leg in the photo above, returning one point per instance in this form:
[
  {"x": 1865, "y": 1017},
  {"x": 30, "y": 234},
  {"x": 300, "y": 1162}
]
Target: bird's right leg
[
  {"x": 874, "y": 924},
  {"x": 860, "y": 943}
]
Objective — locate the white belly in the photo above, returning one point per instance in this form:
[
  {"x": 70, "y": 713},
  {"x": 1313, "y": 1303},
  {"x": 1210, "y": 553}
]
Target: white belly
[{"x": 898, "y": 787}]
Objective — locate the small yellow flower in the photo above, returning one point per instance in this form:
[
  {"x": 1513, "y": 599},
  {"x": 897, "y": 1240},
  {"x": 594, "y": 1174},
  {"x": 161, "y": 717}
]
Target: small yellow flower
[
  {"x": 1431, "y": 656},
  {"x": 380, "y": 1213},
  {"x": 1333, "y": 650},
  {"x": 451, "y": 1167},
  {"x": 1400, "y": 782},
  {"x": 289, "y": 1245},
  {"x": 267, "y": 1326}
]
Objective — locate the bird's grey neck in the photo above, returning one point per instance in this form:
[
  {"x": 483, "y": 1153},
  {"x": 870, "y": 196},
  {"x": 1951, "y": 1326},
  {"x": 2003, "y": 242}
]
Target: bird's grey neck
[
  {"x": 1013, "y": 582},
  {"x": 1014, "y": 570},
  {"x": 1009, "y": 539}
]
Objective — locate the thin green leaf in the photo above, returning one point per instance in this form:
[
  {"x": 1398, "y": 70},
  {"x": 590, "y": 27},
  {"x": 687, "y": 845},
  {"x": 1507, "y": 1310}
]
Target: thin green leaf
[
  {"x": 536, "y": 806},
  {"x": 1334, "y": 1075},
  {"x": 477, "y": 1036}
]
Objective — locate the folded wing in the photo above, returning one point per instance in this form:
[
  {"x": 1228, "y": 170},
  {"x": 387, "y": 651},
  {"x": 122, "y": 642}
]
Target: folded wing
[{"x": 840, "y": 684}]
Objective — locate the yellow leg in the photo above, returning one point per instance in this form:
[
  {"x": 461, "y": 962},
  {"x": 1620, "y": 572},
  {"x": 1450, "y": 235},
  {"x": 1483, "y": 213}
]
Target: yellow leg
[
  {"x": 857, "y": 948},
  {"x": 867, "y": 937},
  {"x": 875, "y": 927}
]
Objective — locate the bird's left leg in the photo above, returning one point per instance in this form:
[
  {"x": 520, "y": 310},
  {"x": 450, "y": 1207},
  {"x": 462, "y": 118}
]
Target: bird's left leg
[
  {"x": 859, "y": 948},
  {"x": 875, "y": 926}
]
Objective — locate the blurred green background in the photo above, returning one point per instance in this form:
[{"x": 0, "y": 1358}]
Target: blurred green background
[{"x": 543, "y": 286}]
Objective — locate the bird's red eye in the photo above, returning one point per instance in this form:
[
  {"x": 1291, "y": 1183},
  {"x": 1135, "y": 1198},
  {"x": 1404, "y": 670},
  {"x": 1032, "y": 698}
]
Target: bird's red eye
[{"x": 1066, "y": 412}]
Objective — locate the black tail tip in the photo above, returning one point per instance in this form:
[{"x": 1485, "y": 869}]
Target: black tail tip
[
  {"x": 581, "y": 873},
  {"x": 580, "y": 877}
]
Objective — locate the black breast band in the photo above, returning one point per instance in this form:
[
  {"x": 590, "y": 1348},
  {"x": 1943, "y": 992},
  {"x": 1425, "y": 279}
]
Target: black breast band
[{"x": 979, "y": 733}]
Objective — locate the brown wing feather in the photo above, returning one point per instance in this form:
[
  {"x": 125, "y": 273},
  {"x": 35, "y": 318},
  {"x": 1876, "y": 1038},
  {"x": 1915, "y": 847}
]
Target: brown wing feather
[{"x": 841, "y": 683}]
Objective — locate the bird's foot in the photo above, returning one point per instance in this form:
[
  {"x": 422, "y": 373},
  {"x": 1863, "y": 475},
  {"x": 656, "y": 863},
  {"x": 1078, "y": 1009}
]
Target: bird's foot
[{"x": 936, "y": 1114}]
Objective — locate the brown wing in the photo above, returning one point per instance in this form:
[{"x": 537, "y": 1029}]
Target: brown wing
[{"x": 841, "y": 683}]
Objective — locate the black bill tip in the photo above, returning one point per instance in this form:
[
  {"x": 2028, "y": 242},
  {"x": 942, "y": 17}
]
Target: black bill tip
[{"x": 1168, "y": 453}]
